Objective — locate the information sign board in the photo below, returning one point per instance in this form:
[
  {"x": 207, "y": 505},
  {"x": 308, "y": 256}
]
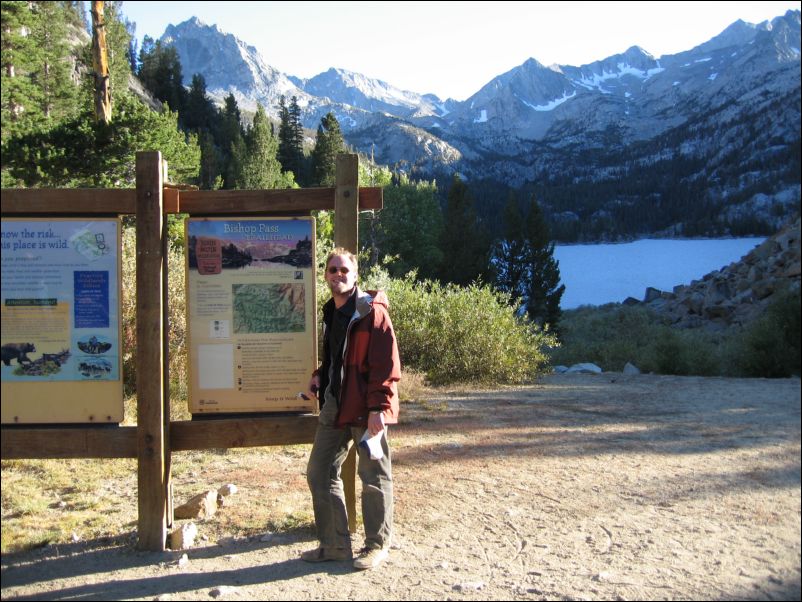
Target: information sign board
[
  {"x": 60, "y": 332},
  {"x": 251, "y": 314}
]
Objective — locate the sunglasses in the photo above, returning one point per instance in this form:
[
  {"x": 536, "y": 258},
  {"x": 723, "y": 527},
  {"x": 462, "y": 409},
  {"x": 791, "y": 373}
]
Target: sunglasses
[{"x": 334, "y": 270}]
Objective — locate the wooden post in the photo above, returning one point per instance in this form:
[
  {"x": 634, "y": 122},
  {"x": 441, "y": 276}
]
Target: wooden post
[
  {"x": 153, "y": 474},
  {"x": 168, "y": 457},
  {"x": 346, "y": 235},
  {"x": 346, "y": 202}
]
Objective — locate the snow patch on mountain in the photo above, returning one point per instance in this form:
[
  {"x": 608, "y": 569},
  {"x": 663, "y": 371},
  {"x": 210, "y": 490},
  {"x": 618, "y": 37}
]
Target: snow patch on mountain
[{"x": 551, "y": 105}]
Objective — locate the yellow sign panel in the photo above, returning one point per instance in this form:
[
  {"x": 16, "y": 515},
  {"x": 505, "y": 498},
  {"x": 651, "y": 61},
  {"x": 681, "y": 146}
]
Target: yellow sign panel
[
  {"x": 251, "y": 314},
  {"x": 60, "y": 331}
]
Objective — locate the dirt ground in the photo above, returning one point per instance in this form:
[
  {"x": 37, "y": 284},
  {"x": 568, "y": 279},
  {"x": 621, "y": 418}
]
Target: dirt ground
[{"x": 605, "y": 487}]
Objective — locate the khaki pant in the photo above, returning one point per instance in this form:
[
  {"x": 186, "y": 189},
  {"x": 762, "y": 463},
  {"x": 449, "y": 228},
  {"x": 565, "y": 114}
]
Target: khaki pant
[{"x": 323, "y": 475}]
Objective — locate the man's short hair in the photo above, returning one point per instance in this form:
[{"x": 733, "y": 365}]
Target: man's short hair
[{"x": 344, "y": 252}]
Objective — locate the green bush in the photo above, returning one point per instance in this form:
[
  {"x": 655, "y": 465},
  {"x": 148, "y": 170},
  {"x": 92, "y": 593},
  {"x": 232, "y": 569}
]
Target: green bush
[
  {"x": 609, "y": 336},
  {"x": 771, "y": 345},
  {"x": 462, "y": 334},
  {"x": 689, "y": 352},
  {"x": 612, "y": 335}
]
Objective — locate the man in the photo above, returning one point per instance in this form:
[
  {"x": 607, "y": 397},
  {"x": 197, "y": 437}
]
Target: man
[{"x": 356, "y": 385}]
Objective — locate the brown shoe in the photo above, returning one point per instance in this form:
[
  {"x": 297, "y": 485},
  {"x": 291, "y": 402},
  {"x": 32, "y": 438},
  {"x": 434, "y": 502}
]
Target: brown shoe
[
  {"x": 370, "y": 558},
  {"x": 321, "y": 554}
]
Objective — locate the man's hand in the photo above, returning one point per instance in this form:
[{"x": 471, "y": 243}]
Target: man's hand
[
  {"x": 375, "y": 423},
  {"x": 314, "y": 385}
]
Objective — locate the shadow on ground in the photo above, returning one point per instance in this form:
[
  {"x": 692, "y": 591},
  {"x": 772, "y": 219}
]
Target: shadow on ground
[{"x": 99, "y": 559}]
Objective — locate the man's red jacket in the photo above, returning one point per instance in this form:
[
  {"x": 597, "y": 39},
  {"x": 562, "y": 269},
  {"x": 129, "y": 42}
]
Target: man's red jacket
[{"x": 371, "y": 364}]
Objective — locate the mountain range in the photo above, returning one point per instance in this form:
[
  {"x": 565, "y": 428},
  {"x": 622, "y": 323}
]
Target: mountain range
[{"x": 703, "y": 142}]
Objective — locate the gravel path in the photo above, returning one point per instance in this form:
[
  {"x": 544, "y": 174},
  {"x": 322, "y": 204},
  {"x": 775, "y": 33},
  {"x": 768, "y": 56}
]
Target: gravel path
[{"x": 604, "y": 487}]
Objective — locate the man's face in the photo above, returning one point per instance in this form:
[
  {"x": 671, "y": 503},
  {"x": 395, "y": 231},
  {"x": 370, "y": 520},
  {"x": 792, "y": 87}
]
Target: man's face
[{"x": 341, "y": 275}]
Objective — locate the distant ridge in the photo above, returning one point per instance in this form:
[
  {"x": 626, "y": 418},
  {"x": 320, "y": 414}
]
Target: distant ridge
[{"x": 704, "y": 141}]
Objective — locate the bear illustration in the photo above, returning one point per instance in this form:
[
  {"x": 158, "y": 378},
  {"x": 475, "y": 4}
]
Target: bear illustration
[{"x": 17, "y": 351}]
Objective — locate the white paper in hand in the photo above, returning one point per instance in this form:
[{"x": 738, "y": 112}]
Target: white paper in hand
[{"x": 373, "y": 444}]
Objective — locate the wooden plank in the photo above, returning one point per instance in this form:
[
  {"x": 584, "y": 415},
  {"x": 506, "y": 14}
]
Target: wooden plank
[
  {"x": 214, "y": 202},
  {"x": 371, "y": 197},
  {"x": 171, "y": 200},
  {"x": 150, "y": 258},
  {"x": 122, "y": 201},
  {"x": 293, "y": 200},
  {"x": 242, "y": 432},
  {"x": 72, "y": 201},
  {"x": 69, "y": 442}
]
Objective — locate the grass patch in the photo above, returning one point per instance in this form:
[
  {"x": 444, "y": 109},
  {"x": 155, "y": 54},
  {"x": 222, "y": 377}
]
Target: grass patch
[
  {"x": 294, "y": 521},
  {"x": 62, "y": 501},
  {"x": 412, "y": 386}
]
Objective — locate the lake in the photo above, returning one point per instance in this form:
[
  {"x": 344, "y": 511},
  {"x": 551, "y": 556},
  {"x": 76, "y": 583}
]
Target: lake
[{"x": 605, "y": 273}]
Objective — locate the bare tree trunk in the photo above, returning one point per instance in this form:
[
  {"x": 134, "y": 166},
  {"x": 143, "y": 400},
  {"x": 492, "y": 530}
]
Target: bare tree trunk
[{"x": 100, "y": 64}]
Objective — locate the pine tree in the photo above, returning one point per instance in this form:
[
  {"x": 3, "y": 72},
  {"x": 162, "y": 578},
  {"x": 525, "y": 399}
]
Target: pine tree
[
  {"x": 133, "y": 46},
  {"x": 328, "y": 144},
  {"x": 199, "y": 111},
  {"x": 409, "y": 228},
  {"x": 118, "y": 40},
  {"x": 21, "y": 58},
  {"x": 58, "y": 94},
  {"x": 290, "y": 139},
  {"x": 235, "y": 165},
  {"x": 232, "y": 117},
  {"x": 464, "y": 246},
  {"x": 543, "y": 290},
  {"x": 284, "y": 135},
  {"x": 160, "y": 73},
  {"x": 145, "y": 52},
  {"x": 229, "y": 136},
  {"x": 296, "y": 140},
  {"x": 210, "y": 162},
  {"x": 77, "y": 152},
  {"x": 76, "y": 14},
  {"x": 509, "y": 253},
  {"x": 40, "y": 69},
  {"x": 258, "y": 167}
]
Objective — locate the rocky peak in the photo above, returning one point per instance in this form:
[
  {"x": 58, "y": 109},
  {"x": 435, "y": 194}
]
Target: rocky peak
[
  {"x": 785, "y": 33},
  {"x": 633, "y": 57},
  {"x": 360, "y": 91},
  {"x": 522, "y": 92},
  {"x": 229, "y": 65},
  {"x": 737, "y": 34}
]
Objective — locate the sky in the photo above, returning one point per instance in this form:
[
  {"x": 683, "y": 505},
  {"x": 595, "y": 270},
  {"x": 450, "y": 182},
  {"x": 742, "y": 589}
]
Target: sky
[{"x": 447, "y": 48}]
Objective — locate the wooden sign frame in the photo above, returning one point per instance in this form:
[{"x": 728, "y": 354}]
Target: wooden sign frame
[{"x": 154, "y": 438}]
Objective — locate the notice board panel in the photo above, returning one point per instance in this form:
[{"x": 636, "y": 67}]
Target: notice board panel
[
  {"x": 251, "y": 314},
  {"x": 60, "y": 332}
]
